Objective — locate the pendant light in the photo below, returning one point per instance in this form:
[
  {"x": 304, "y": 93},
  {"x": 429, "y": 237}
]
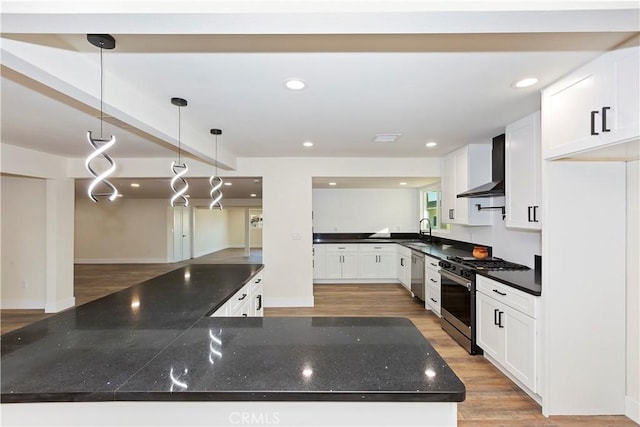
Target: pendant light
[
  {"x": 101, "y": 145},
  {"x": 179, "y": 169},
  {"x": 215, "y": 181}
]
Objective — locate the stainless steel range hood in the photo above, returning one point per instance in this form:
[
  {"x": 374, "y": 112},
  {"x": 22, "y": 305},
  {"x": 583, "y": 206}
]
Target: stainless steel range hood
[{"x": 496, "y": 186}]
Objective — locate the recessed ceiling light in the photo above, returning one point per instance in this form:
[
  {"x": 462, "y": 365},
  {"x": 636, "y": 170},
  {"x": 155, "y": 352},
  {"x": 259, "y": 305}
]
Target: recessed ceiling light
[
  {"x": 526, "y": 82},
  {"x": 431, "y": 144},
  {"x": 256, "y": 181},
  {"x": 120, "y": 195},
  {"x": 135, "y": 185},
  {"x": 332, "y": 184},
  {"x": 308, "y": 144},
  {"x": 403, "y": 183},
  {"x": 187, "y": 195},
  {"x": 295, "y": 84},
  {"x": 228, "y": 183},
  {"x": 253, "y": 195}
]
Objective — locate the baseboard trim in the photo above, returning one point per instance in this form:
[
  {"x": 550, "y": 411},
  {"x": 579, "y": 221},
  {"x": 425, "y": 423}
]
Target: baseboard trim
[
  {"x": 356, "y": 281},
  {"x": 288, "y": 302},
  {"x": 21, "y": 304},
  {"x": 121, "y": 261},
  {"x": 632, "y": 409},
  {"x": 60, "y": 305}
]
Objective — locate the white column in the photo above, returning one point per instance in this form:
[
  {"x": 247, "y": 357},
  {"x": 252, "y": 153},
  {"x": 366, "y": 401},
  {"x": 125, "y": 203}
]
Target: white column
[
  {"x": 59, "y": 244},
  {"x": 247, "y": 232}
]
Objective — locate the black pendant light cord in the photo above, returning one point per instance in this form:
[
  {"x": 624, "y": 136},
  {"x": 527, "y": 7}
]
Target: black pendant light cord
[
  {"x": 216, "y": 155},
  {"x": 179, "y": 132},
  {"x": 101, "y": 82}
]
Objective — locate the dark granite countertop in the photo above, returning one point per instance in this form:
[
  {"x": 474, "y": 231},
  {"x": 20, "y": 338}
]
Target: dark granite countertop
[
  {"x": 153, "y": 341},
  {"x": 524, "y": 280},
  {"x": 87, "y": 352},
  {"x": 295, "y": 359}
]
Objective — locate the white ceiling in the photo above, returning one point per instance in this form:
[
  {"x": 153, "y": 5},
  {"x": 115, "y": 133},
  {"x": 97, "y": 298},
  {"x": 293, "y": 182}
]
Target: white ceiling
[{"x": 440, "y": 84}]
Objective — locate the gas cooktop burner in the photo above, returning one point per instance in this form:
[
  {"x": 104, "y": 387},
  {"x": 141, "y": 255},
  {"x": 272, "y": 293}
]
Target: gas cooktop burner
[{"x": 487, "y": 263}]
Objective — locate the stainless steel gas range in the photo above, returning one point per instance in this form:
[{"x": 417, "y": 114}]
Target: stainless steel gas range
[{"x": 458, "y": 297}]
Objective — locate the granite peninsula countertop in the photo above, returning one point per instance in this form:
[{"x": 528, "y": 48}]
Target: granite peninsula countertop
[{"x": 154, "y": 341}]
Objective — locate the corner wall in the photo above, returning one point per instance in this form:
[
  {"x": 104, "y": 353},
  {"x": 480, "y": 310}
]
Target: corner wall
[
  {"x": 24, "y": 257},
  {"x": 632, "y": 398},
  {"x": 210, "y": 231}
]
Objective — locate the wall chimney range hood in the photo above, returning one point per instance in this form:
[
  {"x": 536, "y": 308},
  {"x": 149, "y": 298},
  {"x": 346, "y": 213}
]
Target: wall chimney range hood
[{"x": 496, "y": 186}]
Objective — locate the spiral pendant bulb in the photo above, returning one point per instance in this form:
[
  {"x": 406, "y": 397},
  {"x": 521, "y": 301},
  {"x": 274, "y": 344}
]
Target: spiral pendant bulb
[
  {"x": 100, "y": 147},
  {"x": 215, "y": 193},
  {"x": 179, "y": 193}
]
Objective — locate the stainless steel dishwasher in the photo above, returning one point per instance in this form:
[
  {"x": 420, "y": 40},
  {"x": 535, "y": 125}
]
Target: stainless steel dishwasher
[{"x": 417, "y": 275}]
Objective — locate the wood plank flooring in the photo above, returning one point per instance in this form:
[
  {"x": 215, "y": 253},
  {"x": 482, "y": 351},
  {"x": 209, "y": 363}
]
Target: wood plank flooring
[{"x": 492, "y": 399}]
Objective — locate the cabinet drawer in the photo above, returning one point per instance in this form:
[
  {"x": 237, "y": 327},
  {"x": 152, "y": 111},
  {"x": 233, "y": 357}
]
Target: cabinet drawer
[
  {"x": 507, "y": 295},
  {"x": 433, "y": 297},
  {"x": 334, "y": 247},
  {"x": 239, "y": 298},
  {"x": 432, "y": 263},
  {"x": 369, "y": 247},
  {"x": 255, "y": 285}
]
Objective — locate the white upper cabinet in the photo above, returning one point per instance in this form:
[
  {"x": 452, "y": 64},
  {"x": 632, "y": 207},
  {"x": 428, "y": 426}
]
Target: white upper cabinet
[
  {"x": 463, "y": 169},
  {"x": 595, "y": 106},
  {"x": 522, "y": 173}
]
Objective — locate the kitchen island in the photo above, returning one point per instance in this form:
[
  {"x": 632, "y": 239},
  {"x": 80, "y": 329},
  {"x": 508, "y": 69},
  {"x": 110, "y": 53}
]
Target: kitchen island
[{"x": 150, "y": 355}]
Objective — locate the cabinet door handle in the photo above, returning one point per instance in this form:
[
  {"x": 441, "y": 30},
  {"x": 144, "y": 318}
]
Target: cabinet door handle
[
  {"x": 500, "y": 325},
  {"x": 433, "y": 300},
  {"x": 495, "y": 316},
  {"x": 245, "y": 315},
  {"x": 242, "y": 297},
  {"x": 499, "y": 293},
  {"x": 258, "y": 281},
  {"x": 259, "y": 302},
  {"x": 593, "y": 123},
  {"x": 535, "y": 214},
  {"x": 401, "y": 262},
  {"x": 604, "y": 119},
  {"x": 434, "y": 281},
  {"x": 529, "y": 209},
  {"x": 435, "y": 265},
  {"x": 377, "y": 247}
]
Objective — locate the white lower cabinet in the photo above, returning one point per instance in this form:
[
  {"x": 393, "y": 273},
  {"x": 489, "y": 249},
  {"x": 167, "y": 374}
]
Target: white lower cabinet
[
  {"x": 507, "y": 330},
  {"x": 377, "y": 262},
  {"x": 404, "y": 266},
  {"x": 319, "y": 262},
  {"x": 341, "y": 261},
  {"x": 432, "y": 280},
  {"x": 247, "y": 302}
]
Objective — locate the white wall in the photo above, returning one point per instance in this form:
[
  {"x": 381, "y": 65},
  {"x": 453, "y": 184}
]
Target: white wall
[
  {"x": 632, "y": 407},
  {"x": 23, "y": 242},
  {"x": 210, "y": 231},
  {"x": 125, "y": 231},
  {"x": 236, "y": 227},
  {"x": 365, "y": 210}
]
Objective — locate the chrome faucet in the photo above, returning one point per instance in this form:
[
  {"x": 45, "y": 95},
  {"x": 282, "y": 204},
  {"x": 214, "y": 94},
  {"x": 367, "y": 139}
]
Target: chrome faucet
[{"x": 422, "y": 232}]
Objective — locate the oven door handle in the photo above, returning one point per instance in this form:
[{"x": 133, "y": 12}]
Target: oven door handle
[{"x": 457, "y": 279}]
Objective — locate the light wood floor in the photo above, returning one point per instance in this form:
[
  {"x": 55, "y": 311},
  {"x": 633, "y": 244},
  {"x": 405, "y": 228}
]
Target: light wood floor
[{"x": 492, "y": 399}]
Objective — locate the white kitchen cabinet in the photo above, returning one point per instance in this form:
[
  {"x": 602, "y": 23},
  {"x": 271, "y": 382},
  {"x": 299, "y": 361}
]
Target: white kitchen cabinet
[
  {"x": 377, "y": 261},
  {"x": 319, "y": 262},
  {"x": 507, "y": 330},
  {"x": 404, "y": 266},
  {"x": 463, "y": 169},
  {"x": 247, "y": 302},
  {"x": 341, "y": 261},
  {"x": 256, "y": 293},
  {"x": 595, "y": 106},
  {"x": 432, "y": 280},
  {"x": 522, "y": 173}
]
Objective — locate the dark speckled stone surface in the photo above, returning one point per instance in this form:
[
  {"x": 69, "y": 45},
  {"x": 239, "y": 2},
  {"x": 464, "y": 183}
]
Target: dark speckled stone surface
[
  {"x": 130, "y": 344},
  {"x": 307, "y": 358}
]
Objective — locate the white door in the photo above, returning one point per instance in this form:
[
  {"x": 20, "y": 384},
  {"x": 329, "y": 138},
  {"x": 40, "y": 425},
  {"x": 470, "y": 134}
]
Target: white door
[{"x": 182, "y": 231}]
